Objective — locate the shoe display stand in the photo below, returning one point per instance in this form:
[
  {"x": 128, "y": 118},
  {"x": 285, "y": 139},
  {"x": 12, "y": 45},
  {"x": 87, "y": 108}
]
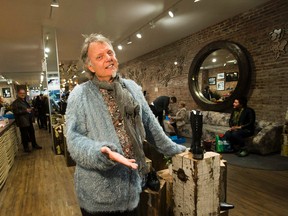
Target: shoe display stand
[
  {"x": 8, "y": 149},
  {"x": 69, "y": 161},
  {"x": 206, "y": 191},
  {"x": 57, "y": 133},
  {"x": 196, "y": 184},
  {"x": 158, "y": 203}
]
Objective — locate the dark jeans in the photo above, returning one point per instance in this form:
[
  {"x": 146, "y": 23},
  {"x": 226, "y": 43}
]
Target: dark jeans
[
  {"x": 236, "y": 138},
  {"x": 158, "y": 115},
  {"x": 126, "y": 213},
  {"x": 28, "y": 134},
  {"x": 176, "y": 129},
  {"x": 43, "y": 120}
]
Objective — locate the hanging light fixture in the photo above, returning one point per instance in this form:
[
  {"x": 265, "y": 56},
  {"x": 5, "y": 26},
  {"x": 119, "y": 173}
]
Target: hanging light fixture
[{"x": 54, "y": 3}]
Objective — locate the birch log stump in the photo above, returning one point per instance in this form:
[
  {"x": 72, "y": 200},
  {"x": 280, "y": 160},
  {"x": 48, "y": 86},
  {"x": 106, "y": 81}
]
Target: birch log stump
[{"x": 196, "y": 184}]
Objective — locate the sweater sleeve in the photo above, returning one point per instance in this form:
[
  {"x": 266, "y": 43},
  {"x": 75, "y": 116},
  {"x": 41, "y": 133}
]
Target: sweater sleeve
[
  {"x": 249, "y": 119},
  {"x": 85, "y": 151},
  {"x": 154, "y": 132}
]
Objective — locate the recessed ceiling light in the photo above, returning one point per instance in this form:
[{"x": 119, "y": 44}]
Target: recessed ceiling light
[
  {"x": 139, "y": 35},
  {"x": 120, "y": 47},
  {"x": 129, "y": 41},
  {"x": 54, "y": 3},
  {"x": 171, "y": 14}
]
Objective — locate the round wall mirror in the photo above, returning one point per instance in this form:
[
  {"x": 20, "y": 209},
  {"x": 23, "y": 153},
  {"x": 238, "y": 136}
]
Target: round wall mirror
[{"x": 219, "y": 73}]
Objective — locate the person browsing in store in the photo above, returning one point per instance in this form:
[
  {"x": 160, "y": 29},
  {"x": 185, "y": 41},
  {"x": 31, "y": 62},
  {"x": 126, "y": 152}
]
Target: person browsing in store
[
  {"x": 23, "y": 114},
  {"x": 108, "y": 119}
]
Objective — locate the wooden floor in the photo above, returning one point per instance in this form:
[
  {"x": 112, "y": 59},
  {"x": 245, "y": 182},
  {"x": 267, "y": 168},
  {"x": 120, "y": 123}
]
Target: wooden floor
[{"x": 41, "y": 184}]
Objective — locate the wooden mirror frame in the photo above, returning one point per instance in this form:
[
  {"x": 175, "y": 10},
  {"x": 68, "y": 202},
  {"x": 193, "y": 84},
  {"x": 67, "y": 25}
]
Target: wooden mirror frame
[{"x": 244, "y": 78}]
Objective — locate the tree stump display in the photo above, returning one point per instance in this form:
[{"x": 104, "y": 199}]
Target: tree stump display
[{"x": 196, "y": 184}]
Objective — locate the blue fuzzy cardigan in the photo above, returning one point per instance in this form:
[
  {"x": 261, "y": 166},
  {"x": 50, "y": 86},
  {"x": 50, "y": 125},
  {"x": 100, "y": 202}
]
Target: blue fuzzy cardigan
[{"x": 103, "y": 185}]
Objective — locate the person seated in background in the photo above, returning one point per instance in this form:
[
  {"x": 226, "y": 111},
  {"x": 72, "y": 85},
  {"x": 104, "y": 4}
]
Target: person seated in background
[
  {"x": 178, "y": 121},
  {"x": 2, "y": 102},
  {"x": 207, "y": 93},
  {"x": 242, "y": 125}
]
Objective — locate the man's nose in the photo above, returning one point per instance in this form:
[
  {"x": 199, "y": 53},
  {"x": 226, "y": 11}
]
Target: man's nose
[{"x": 108, "y": 57}]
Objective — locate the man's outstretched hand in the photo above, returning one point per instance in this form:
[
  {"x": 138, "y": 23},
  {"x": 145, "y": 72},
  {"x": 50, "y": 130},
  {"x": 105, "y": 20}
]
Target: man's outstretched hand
[{"x": 115, "y": 156}]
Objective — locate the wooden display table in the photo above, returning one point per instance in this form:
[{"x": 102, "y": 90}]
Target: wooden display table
[{"x": 8, "y": 149}]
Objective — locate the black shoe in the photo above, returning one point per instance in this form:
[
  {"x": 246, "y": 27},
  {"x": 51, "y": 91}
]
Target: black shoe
[
  {"x": 37, "y": 147},
  {"x": 225, "y": 206},
  {"x": 152, "y": 181}
]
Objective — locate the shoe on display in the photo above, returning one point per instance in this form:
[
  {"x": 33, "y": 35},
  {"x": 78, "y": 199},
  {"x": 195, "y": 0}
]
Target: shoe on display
[
  {"x": 152, "y": 181},
  {"x": 225, "y": 206}
]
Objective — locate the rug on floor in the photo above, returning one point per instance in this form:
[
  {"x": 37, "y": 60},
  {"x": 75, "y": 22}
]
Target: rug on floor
[{"x": 268, "y": 162}]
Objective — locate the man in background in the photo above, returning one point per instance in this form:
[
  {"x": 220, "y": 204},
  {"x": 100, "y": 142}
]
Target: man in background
[
  {"x": 23, "y": 117},
  {"x": 242, "y": 125},
  {"x": 161, "y": 104}
]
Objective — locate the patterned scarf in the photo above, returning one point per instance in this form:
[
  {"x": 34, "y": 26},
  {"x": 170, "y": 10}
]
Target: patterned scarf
[{"x": 130, "y": 111}]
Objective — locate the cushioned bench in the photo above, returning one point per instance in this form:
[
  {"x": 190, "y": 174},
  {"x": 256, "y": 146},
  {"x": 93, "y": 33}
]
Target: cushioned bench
[{"x": 267, "y": 138}]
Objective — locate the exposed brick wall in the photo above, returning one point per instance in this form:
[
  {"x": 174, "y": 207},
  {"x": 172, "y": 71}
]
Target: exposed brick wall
[{"x": 268, "y": 94}]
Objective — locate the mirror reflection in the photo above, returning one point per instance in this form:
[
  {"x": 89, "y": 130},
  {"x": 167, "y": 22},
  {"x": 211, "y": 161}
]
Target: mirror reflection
[
  {"x": 220, "y": 72},
  {"x": 218, "y": 76}
]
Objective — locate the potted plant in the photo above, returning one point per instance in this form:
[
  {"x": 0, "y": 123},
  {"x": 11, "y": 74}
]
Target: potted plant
[{"x": 168, "y": 161}]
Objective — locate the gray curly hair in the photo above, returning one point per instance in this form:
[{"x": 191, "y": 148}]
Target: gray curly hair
[{"x": 94, "y": 37}]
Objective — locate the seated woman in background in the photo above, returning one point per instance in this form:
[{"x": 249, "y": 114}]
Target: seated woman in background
[
  {"x": 178, "y": 121},
  {"x": 2, "y": 102}
]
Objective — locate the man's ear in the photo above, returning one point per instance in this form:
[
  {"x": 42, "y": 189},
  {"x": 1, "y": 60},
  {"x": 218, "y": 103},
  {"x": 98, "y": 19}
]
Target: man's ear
[{"x": 90, "y": 68}]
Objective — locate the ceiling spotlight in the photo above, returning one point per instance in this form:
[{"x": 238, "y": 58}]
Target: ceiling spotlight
[
  {"x": 47, "y": 50},
  {"x": 214, "y": 60},
  {"x": 129, "y": 41},
  {"x": 175, "y": 63},
  {"x": 120, "y": 47},
  {"x": 152, "y": 24},
  {"x": 196, "y": 1},
  {"x": 139, "y": 35},
  {"x": 171, "y": 14},
  {"x": 54, "y": 3}
]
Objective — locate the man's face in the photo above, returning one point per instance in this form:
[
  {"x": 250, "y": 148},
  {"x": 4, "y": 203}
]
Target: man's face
[
  {"x": 236, "y": 104},
  {"x": 21, "y": 94},
  {"x": 103, "y": 61}
]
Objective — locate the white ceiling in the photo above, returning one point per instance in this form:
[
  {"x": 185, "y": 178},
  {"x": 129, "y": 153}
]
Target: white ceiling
[{"x": 21, "y": 24}]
